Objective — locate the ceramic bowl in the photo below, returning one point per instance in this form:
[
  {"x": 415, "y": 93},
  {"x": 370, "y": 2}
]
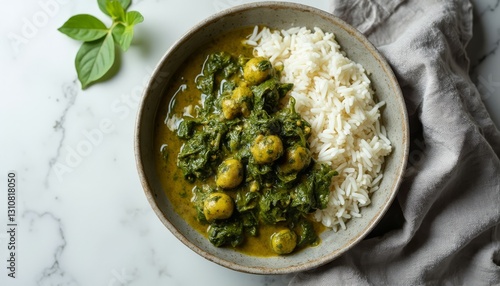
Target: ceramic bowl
[{"x": 277, "y": 15}]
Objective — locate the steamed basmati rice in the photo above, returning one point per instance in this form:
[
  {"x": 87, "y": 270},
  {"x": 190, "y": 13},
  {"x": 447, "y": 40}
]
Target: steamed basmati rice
[{"x": 334, "y": 95}]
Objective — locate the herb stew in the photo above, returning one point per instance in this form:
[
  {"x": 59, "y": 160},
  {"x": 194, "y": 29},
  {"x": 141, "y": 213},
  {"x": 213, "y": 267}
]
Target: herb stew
[{"x": 233, "y": 153}]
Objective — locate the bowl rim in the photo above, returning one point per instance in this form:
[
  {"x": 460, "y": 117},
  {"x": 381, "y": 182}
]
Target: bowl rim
[{"x": 153, "y": 81}]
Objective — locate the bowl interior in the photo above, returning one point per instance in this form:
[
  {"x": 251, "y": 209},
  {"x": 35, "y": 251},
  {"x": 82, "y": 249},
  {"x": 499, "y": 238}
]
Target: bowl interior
[{"x": 278, "y": 16}]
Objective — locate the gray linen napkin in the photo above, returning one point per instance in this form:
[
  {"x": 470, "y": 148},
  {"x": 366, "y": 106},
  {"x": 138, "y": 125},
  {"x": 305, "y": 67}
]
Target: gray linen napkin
[{"x": 444, "y": 227}]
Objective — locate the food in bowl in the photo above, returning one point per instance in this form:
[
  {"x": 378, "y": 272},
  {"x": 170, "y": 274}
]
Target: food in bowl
[
  {"x": 279, "y": 15},
  {"x": 334, "y": 95},
  {"x": 268, "y": 137}
]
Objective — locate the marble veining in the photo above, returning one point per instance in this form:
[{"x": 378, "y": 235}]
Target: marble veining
[
  {"x": 52, "y": 273},
  {"x": 92, "y": 225},
  {"x": 491, "y": 51},
  {"x": 70, "y": 92},
  {"x": 489, "y": 7}
]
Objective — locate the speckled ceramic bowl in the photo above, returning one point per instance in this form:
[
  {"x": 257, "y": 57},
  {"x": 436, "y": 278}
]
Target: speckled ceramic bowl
[{"x": 276, "y": 15}]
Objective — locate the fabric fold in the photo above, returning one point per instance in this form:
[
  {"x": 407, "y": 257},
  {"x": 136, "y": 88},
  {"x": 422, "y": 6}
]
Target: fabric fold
[{"x": 443, "y": 227}]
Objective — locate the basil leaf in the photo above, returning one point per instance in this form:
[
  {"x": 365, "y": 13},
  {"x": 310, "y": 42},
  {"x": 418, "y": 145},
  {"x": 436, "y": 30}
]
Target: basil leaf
[
  {"x": 115, "y": 10},
  {"x": 123, "y": 34},
  {"x": 134, "y": 18},
  {"x": 84, "y": 27},
  {"x": 102, "y": 5},
  {"x": 94, "y": 59},
  {"x": 97, "y": 54}
]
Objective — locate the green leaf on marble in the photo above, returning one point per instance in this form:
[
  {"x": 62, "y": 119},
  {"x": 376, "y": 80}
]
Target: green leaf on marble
[
  {"x": 115, "y": 10},
  {"x": 97, "y": 54},
  {"x": 84, "y": 27},
  {"x": 123, "y": 33},
  {"x": 103, "y": 5},
  {"x": 94, "y": 59}
]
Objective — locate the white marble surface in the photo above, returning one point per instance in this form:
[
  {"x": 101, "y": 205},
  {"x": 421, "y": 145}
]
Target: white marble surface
[{"x": 82, "y": 216}]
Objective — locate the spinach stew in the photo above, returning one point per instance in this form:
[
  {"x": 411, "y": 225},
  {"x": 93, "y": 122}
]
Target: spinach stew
[{"x": 240, "y": 151}]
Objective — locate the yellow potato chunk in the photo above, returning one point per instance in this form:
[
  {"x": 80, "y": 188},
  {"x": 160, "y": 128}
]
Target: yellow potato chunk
[
  {"x": 266, "y": 149},
  {"x": 218, "y": 206},
  {"x": 257, "y": 70},
  {"x": 229, "y": 174},
  {"x": 296, "y": 158},
  {"x": 230, "y": 109},
  {"x": 283, "y": 241},
  {"x": 243, "y": 95}
]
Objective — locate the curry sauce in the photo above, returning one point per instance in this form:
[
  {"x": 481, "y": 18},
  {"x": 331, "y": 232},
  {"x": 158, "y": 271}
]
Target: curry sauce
[{"x": 288, "y": 190}]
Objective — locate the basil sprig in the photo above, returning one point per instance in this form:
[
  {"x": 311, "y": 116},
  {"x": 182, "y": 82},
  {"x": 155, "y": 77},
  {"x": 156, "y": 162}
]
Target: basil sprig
[{"x": 97, "y": 53}]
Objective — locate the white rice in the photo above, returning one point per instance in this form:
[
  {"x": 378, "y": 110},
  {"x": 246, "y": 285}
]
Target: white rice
[{"x": 333, "y": 94}]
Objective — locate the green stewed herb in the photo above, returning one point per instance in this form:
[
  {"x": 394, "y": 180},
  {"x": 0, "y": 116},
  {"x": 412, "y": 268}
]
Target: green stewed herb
[
  {"x": 252, "y": 143},
  {"x": 97, "y": 53}
]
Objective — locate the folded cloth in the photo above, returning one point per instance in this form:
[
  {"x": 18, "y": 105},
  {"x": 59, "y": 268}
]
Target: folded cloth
[{"x": 444, "y": 227}]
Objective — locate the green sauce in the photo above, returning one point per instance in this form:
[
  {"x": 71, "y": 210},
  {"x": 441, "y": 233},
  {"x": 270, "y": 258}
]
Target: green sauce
[{"x": 244, "y": 140}]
